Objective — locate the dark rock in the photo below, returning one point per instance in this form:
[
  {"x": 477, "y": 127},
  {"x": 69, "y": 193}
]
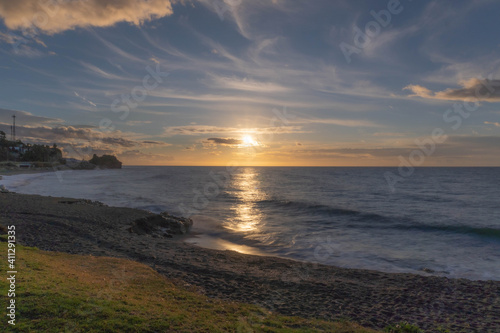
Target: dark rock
[
  {"x": 83, "y": 202},
  {"x": 106, "y": 162},
  {"x": 163, "y": 225},
  {"x": 84, "y": 165}
]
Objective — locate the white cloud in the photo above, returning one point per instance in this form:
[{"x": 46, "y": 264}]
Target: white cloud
[{"x": 246, "y": 84}]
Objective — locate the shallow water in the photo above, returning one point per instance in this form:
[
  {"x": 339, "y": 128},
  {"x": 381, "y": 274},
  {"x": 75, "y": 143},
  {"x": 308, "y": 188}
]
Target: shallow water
[{"x": 440, "y": 220}]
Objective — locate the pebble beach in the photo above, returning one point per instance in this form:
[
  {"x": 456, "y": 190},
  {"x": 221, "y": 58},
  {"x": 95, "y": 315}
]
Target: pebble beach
[{"x": 370, "y": 298}]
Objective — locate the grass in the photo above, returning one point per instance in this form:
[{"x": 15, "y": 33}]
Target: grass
[
  {"x": 58, "y": 292},
  {"x": 403, "y": 327}
]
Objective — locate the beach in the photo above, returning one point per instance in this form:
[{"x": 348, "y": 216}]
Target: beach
[{"x": 370, "y": 298}]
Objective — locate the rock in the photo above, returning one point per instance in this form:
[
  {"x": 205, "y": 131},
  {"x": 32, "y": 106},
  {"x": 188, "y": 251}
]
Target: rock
[
  {"x": 83, "y": 202},
  {"x": 3, "y": 189},
  {"x": 181, "y": 225},
  {"x": 84, "y": 165},
  {"x": 106, "y": 162},
  {"x": 163, "y": 225}
]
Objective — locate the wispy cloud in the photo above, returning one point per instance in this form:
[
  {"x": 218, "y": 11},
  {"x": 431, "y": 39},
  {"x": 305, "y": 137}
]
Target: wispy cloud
[
  {"x": 137, "y": 122},
  {"x": 203, "y": 129},
  {"x": 246, "y": 84},
  {"x": 85, "y": 99},
  {"x": 338, "y": 122},
  {"x": 496, "y": 124},
  {"x": 23, "y": 46},
  {"x": 26, "y": 118}
]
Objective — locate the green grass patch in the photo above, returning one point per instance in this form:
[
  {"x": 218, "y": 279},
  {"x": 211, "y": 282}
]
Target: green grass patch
[
  {"x": 403, "y": 327},
  {"x": 58, "y": 292}
]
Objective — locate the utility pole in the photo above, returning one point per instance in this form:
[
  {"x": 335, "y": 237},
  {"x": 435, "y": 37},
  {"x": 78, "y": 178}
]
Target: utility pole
[{"x": 14, "y": 128}]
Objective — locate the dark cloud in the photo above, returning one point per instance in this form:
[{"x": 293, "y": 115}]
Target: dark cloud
[
  {"x": 160, "y": 143},
  {"x": 79, "y": 142},
  {"x": 225, "y": 141},
  {"x": 119, "y": 142}
]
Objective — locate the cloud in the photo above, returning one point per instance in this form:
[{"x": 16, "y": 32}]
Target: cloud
[
  {"x": 60, "y": 15},
  {"x": 20, "y": 45},
  {"x": 492, "y": 123},
  {"x": 485, "y": 90},
  {"x": 204, "y": 129},
  {"x": 456, "y": 148},
  {"x": 80, "y": 141},
  {"x": 487, "y": 143},
  {"x": 225, "y": 141},
  {"x": 85, "y": 99},
  {"x": 389, "y": 134},
  {"x": 25, "y": 118},
  {"x": 137, "y": 122},
  {"x": 155, "y": 143},
  {"x": 96, "y": 70},
  {"x": 246, "y": 84},
  {"x": 339, "y": 122}
]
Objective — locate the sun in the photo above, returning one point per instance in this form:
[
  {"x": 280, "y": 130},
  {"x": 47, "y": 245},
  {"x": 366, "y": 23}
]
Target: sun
[{"x": 248, "y": 141}]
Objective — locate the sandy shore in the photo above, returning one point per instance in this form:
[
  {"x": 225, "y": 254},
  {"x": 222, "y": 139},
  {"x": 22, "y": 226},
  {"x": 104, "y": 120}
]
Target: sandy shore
[{"x": 371, "y": 298}]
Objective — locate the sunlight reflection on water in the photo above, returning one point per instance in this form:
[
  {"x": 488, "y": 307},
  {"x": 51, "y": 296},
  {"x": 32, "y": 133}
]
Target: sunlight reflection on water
[{"x": 247, "y": 216}]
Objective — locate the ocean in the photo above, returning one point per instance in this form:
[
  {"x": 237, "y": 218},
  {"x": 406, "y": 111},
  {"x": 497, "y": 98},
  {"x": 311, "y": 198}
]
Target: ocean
[{"x": 437, "y": 221}]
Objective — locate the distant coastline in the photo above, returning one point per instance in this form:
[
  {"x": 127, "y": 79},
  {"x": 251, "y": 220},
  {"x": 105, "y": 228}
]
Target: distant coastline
[{"x": 21, "y": 167}]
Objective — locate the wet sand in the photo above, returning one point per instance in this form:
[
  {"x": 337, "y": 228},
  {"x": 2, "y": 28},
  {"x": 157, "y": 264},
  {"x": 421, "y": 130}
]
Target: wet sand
[{"x": 371, "y": 298}]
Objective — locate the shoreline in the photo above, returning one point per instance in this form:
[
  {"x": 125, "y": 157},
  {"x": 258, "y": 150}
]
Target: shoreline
[
  {"x": 208, "y": 238},
  {"x": 7, "y": 172},
  {"x": 370, "y": 298}
]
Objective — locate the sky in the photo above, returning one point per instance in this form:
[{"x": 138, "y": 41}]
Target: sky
[{"x": 255, "y": 82}]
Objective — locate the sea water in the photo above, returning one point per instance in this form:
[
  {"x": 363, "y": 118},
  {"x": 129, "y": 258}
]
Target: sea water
[{"x": 438, "y": 221}]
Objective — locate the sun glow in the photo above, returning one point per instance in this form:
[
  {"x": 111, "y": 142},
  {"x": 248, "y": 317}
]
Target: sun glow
[{"x": 248, "y": 141}]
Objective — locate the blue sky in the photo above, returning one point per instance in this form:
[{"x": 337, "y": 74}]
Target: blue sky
[{"x": 212, "y": 82}]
